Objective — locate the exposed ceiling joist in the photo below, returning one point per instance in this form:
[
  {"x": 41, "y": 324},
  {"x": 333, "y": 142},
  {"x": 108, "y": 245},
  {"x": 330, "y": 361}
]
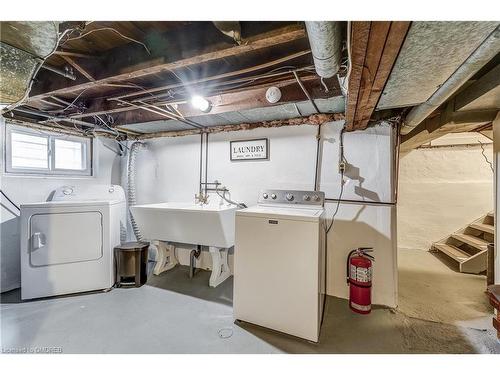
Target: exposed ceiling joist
[
  {"x": 360, "y": 33},
  {"x": 159, "y": 65},
  {"x": 78, "y": 67},
  {"x": 486, "y": 83},
  {"x": 375, "y": 47},
  {"x": 446, "y": 121}
]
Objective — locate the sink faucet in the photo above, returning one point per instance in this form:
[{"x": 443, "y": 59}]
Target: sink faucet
[{"x": 201, "y": 198}]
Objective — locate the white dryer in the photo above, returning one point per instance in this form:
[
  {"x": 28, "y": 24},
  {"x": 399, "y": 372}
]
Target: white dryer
[
  {"x": 67, "y": 243},
  {"x": 279, "y": 262}
]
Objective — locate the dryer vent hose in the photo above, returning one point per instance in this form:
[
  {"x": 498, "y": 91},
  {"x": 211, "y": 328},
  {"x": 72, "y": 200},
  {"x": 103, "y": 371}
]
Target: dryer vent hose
[{"x": 134, "y": 149}]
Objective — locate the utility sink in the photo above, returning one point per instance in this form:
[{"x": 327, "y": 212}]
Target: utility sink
[{"x": 209, "y": 225}]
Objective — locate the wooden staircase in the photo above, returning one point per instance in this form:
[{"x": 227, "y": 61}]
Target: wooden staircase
[{"x": 468, "y": 246}]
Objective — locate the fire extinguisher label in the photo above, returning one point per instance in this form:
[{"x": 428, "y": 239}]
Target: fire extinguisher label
[
  {"x": 361, "y": 307},
  {"x": 362, "y": 275}
]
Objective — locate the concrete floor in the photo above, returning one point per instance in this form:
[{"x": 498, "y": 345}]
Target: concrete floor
[{"x": 440, "y": 312}]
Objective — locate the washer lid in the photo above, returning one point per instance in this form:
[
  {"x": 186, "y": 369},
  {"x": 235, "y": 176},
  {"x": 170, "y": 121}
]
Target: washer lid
[{"x": 302, "y": 214}]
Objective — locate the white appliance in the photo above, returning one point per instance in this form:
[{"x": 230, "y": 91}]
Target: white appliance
[
  {"x": 279, "y": 262},
  {"x": 67, "y": 243}
]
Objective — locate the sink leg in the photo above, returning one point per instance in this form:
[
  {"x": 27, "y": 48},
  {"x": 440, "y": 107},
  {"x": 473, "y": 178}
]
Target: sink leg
[
  {"x": 165, "y": 257},
  {"x": 220, "y": 267}
]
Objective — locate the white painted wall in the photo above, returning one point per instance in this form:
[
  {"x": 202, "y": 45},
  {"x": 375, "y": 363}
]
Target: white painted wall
[
  {"x": 169, "y": 171},
  {"x": 442, "y": 189},
  {"x": 28, "y": 189}
]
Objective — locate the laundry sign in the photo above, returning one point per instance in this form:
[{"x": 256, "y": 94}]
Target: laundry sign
[{"x": 250, "y": 149}]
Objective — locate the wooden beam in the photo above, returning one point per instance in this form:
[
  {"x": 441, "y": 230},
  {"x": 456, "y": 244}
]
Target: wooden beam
[
  {"x": 73, "y": 54},
  {"x": 221, "y": 76},
  {"x": 486, "y": 83},
  {"x": 229, "y": 101},
  {"x": 467, "y": 117},
  {"x": 158, "y": 65},
  {"x": 392, "y": 45},
  {"x": 374, "y": 51},
  {"x": 78, "y": 67},
  {"x": 443, "y": 122},
  {"x": 317, "y": 119},
  {"x": 360, "y": 33}
]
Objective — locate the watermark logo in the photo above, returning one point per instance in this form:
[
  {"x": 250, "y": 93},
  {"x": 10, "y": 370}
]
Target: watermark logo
[{"x": 33, "y": 350}]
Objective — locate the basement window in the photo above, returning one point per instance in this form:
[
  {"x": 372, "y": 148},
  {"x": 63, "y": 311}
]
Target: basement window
[{"x": 36, "y": 152}]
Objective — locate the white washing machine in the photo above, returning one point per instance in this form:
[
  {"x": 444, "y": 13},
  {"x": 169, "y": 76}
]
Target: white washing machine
[
  {"x": 67, "y": 243},
  {"x": 279, "y": 262}
]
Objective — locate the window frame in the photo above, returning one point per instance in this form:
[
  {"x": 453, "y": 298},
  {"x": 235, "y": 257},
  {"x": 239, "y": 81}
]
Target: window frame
[{"x": 87, "y": 153}]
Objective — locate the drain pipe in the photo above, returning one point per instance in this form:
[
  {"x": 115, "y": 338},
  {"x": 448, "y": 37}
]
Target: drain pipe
[
  {"x": 195, "y": 254},
  {"x": 482, "y": 55},
  {"x": 132, "y": 200},
  {"x": 325, "y": 38}
]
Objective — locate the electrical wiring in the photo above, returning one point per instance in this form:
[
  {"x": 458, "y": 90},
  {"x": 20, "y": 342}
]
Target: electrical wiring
[
  {"x": 252, "y": 80},
  {"x": 109, "y": 29},
  {"x": 108, "y": 129},
  {"x": 324, "y": 85},
  {"x": 349, "y": 61},
  {"x": 72, "y": 103},
  {"x": 332, "y": 220},
  {"x": 342, "y": 162},
  {"x": 342, "y": 159},
  {"x": 10, "y": 200},
  {"x": 344, "y": 83}
]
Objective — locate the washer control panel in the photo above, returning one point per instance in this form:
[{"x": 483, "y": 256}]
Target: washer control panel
[{"x": 316, "y": 198}]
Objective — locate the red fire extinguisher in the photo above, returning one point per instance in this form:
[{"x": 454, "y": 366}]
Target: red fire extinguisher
[{"x": 359, "y": 278}]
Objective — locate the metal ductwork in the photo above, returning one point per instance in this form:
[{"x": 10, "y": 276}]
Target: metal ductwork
[
  {"x": 23, "y": 48},
  {"x": 479, "y": 58},
  {"x": 325, "y": 38},
  {"x": 230, "y": 28}
]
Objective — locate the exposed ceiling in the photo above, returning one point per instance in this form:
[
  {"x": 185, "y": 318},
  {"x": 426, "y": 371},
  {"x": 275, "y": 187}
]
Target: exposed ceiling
[
  {"x": 138, "y": 77},
  {"x": 141, "y": 72},
  {"x": 431, "y": 52}
]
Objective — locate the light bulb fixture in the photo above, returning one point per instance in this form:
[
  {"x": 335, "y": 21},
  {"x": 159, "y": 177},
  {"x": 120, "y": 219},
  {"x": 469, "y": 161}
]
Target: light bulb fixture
[
  {"x": 201, "y": 103},
  {"x": 273, "y": 94}
]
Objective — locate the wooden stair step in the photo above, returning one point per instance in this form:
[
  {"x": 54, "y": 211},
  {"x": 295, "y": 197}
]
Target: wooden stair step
[
  {"x": 475, "y": 242},
  {"x": 492, "y": 214},
  {"x": 487, "y": 228},
  {"x": 452, "y": 251}
]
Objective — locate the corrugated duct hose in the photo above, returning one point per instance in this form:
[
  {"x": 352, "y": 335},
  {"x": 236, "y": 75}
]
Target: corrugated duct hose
[{"x": 134, "y": 149}]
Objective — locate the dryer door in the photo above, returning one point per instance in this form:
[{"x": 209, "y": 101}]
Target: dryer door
[{"x": 65, "y": 237}]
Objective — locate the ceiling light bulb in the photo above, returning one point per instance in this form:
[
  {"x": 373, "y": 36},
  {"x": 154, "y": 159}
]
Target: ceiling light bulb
[{"x": 201, "y": 103}]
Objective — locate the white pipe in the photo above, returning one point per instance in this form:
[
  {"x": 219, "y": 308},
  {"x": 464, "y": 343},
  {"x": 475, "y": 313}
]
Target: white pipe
[
  {"x": 324, "y": 38},
  {"x": 482, "y": 55}
]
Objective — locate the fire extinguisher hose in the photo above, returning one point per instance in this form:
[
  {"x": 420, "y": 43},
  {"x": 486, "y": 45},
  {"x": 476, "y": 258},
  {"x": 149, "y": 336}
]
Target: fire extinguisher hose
[{"x": 348, "y": 263}]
